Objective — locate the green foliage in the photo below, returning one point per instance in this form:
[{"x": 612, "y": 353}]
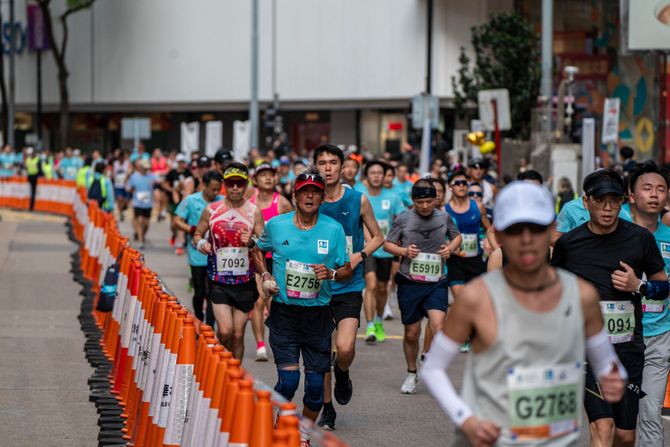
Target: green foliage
[{"x": 507, "y": 55}]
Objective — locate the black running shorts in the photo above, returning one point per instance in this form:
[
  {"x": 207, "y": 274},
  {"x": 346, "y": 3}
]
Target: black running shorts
[
  {"x": 238, "y": 296},
  {"x": 346, "y": 305},
  {"x": 382, "y": 266}
]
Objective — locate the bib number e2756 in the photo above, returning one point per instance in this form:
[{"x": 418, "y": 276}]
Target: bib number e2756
[
  {"x": 301, "y": 281},
  {"x": 619, "y": 319},
  {"x": 544, "y": 402},
  {"x": 426, "y": 267},
  {"x": 232, "y": 261}
]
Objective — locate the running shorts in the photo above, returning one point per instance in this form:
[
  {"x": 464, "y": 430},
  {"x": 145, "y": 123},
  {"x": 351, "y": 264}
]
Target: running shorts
[
  {"x": 416, "y": 299},
  {"x": 346, "y": 305},
  {"x": 142, "y": 212},
  {"x": 238, "y": 296},
  {"x": 381, "y": 266},
  {"x": 463, "y": 270}
]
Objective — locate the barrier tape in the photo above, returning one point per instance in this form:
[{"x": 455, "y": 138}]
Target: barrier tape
[{"x": 161, "y": 377}]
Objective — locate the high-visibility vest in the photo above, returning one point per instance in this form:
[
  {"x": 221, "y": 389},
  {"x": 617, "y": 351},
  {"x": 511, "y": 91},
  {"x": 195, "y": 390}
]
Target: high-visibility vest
[
  {"x": 33, "y": 165},
  {"x": 48, "y": 168},
  {"x": 80, "y": 179}
]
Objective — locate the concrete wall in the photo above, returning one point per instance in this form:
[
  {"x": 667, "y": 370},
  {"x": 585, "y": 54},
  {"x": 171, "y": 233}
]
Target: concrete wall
[{"x": 173, "y": 54}]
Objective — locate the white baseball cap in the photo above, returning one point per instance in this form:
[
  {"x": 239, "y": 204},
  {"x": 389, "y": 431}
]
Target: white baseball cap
[
  {"x": 182, "y": 158},
  {"x": 523, "y": 202}
]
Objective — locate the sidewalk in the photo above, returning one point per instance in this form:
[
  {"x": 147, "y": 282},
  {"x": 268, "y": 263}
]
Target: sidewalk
[{"x": 43, "y": 373}]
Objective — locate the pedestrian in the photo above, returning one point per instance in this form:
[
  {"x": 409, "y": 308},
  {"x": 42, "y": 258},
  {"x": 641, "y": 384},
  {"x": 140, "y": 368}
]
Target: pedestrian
[
  {"x": 613, "y": 254},
  {"x": 354, "y": 212},
  {"x": 173, "y": 186},
  {"x": 425, "y": 237},
  {"x": 232, "y": 223},
  {"x": 141, "y": 186},
  {"x": 531, "y": 327},
  {"x": 309, "y": 252},
  {"x": 34, "y": 171}
]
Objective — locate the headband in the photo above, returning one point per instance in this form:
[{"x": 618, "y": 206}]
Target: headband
[
  {"x": 424, "y": 192},
  {"x": 235, "y": 172}
]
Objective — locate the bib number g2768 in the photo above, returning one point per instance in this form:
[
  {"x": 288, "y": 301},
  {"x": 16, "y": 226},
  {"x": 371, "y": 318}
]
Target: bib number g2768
[{"x": 301, "y": 281}]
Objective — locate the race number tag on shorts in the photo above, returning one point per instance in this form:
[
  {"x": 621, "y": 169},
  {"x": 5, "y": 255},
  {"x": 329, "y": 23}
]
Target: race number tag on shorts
[
  {"x": 301, "y": 281},
  {"x": 384, "y": 226},
  {"x": 350, "y": 244},
  {"x": 232, "y": 261},
  {"x": 426, "y": 267},
  {"x": 619, "y": 319},
  {"x": 143, "y": 197},
  {"x": 543, "y": 402},
  {"x": 470, "y": 245},
  {"x": 120, "y": 179},
  {"x": 653, "y": 306}
]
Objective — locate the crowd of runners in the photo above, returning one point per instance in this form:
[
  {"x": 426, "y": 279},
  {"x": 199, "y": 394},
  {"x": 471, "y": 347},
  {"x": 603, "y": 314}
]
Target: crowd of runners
[{"x": 561, "y": 301}]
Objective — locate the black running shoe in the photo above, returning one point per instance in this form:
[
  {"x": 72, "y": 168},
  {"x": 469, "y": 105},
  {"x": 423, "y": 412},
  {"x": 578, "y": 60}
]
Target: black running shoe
[
  {"x": 327, "y": 419},
  {"x": 343, "y": 388}
]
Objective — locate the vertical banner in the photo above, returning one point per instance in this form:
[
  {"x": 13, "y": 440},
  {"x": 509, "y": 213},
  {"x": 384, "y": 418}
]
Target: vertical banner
[
  {"x": 213, "y": 137},
  {"x": 241, "y": 140},
  {"x": 37, "y": 35},
  {"x": 611, "y": 120},
  {"x": 588, "y": 146},
  {"x": 190, "y": 137}
]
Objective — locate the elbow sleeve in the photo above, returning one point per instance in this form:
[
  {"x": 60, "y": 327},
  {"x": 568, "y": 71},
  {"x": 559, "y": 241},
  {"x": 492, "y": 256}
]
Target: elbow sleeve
[{"x": 602, "y": 356}]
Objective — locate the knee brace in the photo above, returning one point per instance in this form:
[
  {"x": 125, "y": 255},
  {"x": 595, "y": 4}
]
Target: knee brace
[
  {"x": 313, "y": 399},
  {"x": 287, "y": 383}
]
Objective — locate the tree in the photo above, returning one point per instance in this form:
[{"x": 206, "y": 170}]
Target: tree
[
  {"x": 58, "y": 50},
  {"x": 507, "y": 55}
]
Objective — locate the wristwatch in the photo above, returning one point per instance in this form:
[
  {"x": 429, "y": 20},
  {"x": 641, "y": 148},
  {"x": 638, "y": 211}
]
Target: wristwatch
[
  {"x": 363, "y": 255},
  {"x": 642, "y": 287},
  {"x": 333, "y": 277}
]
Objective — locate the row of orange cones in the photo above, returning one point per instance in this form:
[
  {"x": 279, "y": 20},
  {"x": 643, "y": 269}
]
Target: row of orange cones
[
  {"x": 177, "y": 386},
  {"x": 53, "y": 196}
]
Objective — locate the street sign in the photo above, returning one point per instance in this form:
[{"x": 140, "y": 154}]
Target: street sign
[
  {"x": 611, "y": 120},
  {"x": 38, "y": 40},
  {"x": 136, "y": 128},
  {"x": 485, "y": 99},
  {"x": 418, "y": 110}
]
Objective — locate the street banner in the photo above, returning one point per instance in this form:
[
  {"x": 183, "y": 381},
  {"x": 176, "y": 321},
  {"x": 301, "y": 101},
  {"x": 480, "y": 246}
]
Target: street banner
[{"x": 611, "y": 120}]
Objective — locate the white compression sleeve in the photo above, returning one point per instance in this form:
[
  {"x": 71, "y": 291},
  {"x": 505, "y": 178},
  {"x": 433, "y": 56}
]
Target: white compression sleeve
[
  {"x": 434, "y": 374},
  {"x": 602, "y": 356}
]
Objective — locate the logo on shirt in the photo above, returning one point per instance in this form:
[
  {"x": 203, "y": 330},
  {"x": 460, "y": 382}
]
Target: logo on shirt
[
  {"x": 386, "y": 204},
  {"x": 345, "y": 213},
  {"x": 665, "y": 250},
  {"x": 285, "y": 243},
  {"x": 322, "y": 247}
]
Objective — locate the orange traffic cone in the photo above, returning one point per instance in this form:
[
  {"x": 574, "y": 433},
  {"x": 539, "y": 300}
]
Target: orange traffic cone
[
  {"x": 261, "y": 432},
  {"x": 666, "y": 401},
  {"x": 243, "y": 416},
  {"x": 232, "y": 389},
  {"x": 280, "y": 438}
]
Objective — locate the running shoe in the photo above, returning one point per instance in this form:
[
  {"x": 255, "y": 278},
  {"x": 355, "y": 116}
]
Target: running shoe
[
  {"x": 379, "y": 332},
  {"x": 172, "y": 240},
  {"x": 179, "y": 251},
  {"x": 409, "y": 385},
  {"x": 343, "y": 388},
  {"x": 370, "y": 336},
  {"x": 261, "y": 354},
  {"x": 388, "y": 313},
  {"x": 305, "y": 443},
  {"x": 327, "y": 418}
]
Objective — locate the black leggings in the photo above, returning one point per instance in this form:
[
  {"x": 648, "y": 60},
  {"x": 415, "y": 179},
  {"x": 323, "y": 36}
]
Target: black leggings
[
  {"x": 33, "y": 190},
  {"x": 199, "y": 278}
]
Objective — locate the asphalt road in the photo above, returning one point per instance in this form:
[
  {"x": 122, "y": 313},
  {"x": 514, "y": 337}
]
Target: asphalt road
[{"x": 378, "y": 415}]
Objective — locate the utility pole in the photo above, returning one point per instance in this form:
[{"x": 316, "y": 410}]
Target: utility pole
[
  {"x": 426, "y": 137},
  {"x": 253, "y": 105},
  {"x": 547, "y": 56},
  {"x": 12, "y": 74}
]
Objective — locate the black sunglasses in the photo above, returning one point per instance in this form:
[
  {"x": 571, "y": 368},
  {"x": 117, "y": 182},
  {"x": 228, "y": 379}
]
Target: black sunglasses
[
  {"x": 475, "y": 194},
  {"x": 517, "y": 229},
  {"x": 459, "y": 183}
]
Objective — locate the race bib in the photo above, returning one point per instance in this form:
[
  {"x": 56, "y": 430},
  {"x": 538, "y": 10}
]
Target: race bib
[
  {"x": 544, "y": 402},
  {"x": 120, "y": 179},
  {"x": 470, "y": 245},
  {"x": 350, "y": 244},
  {"x": 301, "y": 281},
  {"x": 653, "y": 306},
  {"x": 384, "y": 226},
  {"x": 232, "y": 261},
  {"x": 143, "y": 197},
  {"x": 386, "y": 204},
  {"x": 619, "y": 319},
  {"x": 71, "y": 171},
  {"x": 426, "y": 267}
]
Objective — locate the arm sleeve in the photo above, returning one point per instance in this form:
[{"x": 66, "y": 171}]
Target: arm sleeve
[
  {"x": 434, "y": 374},
  {"x": 395, "y": 233},
  {"x": 601, "y": 355}
]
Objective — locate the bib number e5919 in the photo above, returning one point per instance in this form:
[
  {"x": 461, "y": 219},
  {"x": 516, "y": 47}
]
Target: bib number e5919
[{"x": 426, "y": 267}]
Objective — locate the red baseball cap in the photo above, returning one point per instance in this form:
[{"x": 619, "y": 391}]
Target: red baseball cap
[{"x": 305, "y": 179}]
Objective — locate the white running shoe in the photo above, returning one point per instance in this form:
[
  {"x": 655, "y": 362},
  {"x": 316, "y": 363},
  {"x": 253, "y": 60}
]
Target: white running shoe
[
  {"x": 262, "y": 354},
  {"x": 388, "y": 313},
  {"x": 409, "y": 385}
]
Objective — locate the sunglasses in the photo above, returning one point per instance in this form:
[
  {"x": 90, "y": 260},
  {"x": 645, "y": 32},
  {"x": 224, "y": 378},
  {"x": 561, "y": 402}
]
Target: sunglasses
[
  {"x": 459, "y": 183},
  {"x": 517, "y": 229},
  {"x": 475, "y": 194},
  {"x": 238, "y": 183},
  {"x": 311, "y": 177}
]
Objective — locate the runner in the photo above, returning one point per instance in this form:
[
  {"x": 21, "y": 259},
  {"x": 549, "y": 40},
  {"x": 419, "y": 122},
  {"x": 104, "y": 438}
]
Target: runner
[
  {"x": 470, "y": 216},
  {"x": 232, "y": 283},
  {"x": 402, "y": 186},
  {"x": 350, "y": 169},
  {"x": 173, "y": 185},
  {"x": 309, "y": 250},
  {"x": 377, "y": 269},
  {"x": 353, "y": 211},
  {"x": 648, "y": 194},
  {"x": 187, "y": 217},
  {"x": 271, "y": 204},
  {"x": 425, "y": 237},
  {"x": 141, "y": 186},
  {"x": 476, "y": 169},
  {"x": 612, "y": 254},
  {"x": 121, "y": 169},
  {"x": 530, "y": 327}
]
